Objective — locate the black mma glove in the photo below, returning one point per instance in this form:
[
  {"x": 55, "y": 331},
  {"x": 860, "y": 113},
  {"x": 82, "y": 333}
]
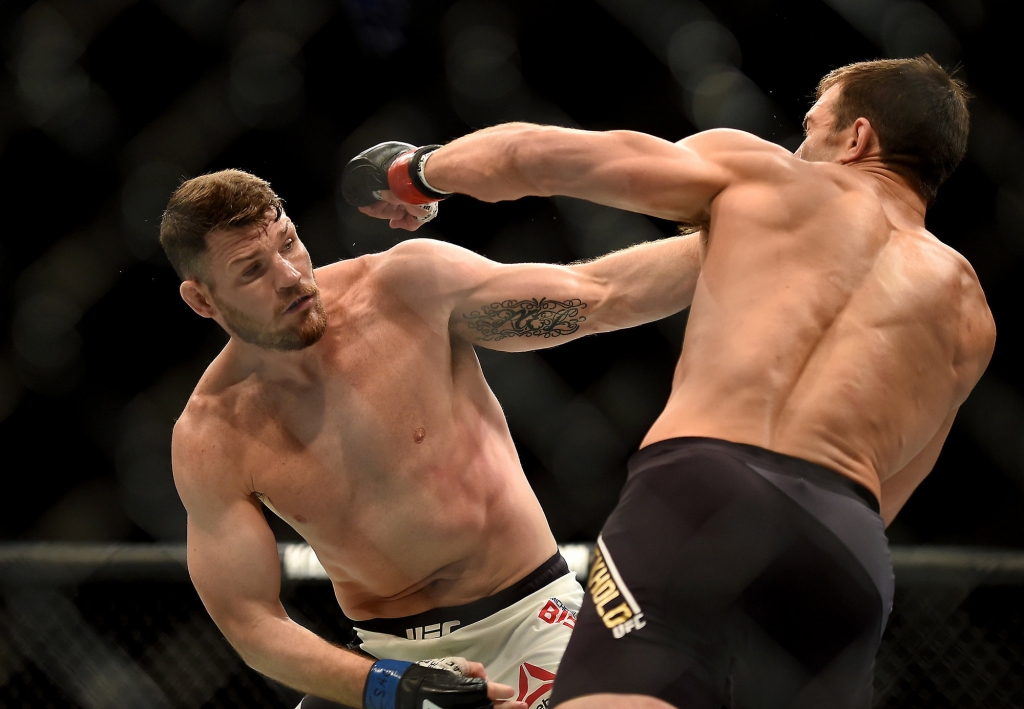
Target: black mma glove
[
  {"x": 394, "y": 684},
  {"x": 389, "y": 166}
]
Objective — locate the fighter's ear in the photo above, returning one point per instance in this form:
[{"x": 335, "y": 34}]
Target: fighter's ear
[
  {"x": 860, "y": 141},
  {"x": 197, "y": 296}
]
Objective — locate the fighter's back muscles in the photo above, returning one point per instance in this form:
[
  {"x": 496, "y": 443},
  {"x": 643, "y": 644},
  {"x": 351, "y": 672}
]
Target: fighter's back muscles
[
  {"x": 233, "y": 562},
  {"x": 976, "y": 340}
]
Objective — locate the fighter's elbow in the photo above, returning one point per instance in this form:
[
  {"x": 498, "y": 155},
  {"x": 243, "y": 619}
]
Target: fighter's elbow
[
  {"x": 247, "y": 632},
  {"x": 621, "y": 307},
  {"x": 250, "y": 646},
  {"x": 249, "y": 654},
  {"x": 601, "y": 304},
  {"x": 620, "y": 313}
]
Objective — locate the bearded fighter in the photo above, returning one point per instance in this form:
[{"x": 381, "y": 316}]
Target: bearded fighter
[
  {"x": 830, "y": 342},
  {"x": 350, "y": 402}
]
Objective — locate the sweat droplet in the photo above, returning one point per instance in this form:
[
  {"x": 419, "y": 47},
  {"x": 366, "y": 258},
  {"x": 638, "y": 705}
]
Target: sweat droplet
[{"x": 419, "y": 434}]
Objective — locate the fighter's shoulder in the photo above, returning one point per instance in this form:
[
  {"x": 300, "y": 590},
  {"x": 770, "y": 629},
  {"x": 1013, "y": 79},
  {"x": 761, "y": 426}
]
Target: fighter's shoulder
[
  {"x": 415, "y": 250},
  {"x": 206, "y": 437},
  {"x": 951, "y": 269},
  {"x": 736, "y": 148},
  {"x": 740, "y": 159},
  {"x": 946, "y": 263},
  {"x": 424, "y": 262},
  {"x": 730, "y": 139},
  {"x": 977, "y": 326}
]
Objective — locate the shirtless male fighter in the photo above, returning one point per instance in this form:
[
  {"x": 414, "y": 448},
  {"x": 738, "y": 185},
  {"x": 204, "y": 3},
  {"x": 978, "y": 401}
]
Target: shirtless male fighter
[
  {"x": 830, "y": 342},
  {"x": 349, "y": 401}
]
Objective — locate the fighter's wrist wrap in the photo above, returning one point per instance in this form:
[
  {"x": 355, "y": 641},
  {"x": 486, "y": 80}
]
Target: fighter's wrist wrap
[
  {"x": 391, "y": 166},
  {"x": 420, "y": 172},
  {"x": 393, "y": 684},
  {"x": 406, "y": 180}
]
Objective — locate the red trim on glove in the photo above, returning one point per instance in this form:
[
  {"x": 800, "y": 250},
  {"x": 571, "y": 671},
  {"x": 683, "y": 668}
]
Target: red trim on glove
[{"x": 401, "y": 183}]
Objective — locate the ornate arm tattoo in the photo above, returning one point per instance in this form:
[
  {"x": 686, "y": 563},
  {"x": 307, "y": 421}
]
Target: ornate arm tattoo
[{"x": 526, "y": 318}]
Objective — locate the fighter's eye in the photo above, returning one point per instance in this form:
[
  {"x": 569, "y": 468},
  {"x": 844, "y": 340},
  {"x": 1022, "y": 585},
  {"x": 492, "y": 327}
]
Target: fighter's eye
[
  {"x": 288, "y": 244},
  {"x": 252, "y": 270}
]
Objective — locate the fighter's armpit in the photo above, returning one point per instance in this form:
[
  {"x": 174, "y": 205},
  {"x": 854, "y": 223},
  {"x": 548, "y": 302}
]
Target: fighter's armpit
[{"x": 526, "y": 318}]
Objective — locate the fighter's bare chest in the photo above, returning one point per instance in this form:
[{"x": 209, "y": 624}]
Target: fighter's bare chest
[{"x": 372, "y": 425}]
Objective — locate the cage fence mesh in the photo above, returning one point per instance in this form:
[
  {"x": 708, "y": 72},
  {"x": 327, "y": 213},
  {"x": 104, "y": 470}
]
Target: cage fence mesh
[{"x": 96, "y": 640}]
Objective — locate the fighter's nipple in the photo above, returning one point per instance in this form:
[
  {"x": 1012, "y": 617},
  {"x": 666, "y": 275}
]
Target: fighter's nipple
[
  {"x": 300, "y": 519},
  {"x": 419, "y": 434}
]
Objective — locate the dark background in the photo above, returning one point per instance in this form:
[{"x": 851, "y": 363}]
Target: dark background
[{"x": 106, "y": 105}]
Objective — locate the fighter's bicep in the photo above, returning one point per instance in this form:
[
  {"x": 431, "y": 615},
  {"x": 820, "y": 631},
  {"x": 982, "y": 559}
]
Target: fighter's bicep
[
  {"x": 644, "y": 174},
  {"x": 231, "y": 551},
  {"x": 681, "y": 183},
  {"x": 499, "y": 306},
  {"x": 233, "y": 562},
  {"x": 527, "y": 306}
]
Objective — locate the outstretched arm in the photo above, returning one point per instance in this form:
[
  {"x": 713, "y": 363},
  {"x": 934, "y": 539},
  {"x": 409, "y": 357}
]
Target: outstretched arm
[
  {"x": 623, "y": 169},
  {"x": 516, "y": 307}
]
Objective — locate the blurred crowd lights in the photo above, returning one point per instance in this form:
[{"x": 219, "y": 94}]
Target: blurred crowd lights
[{"x": 261, "y": 83}]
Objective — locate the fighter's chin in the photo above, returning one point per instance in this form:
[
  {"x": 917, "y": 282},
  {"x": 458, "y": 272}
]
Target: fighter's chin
[
  {"x": 308, "y": 333},
  {"x": 290, "y": 339},
  {"x": 300, "y": 340}
]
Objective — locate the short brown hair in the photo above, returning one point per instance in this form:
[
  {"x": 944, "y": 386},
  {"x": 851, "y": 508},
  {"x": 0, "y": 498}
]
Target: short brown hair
[
  {"x": 229, "y": 199},
  {"x": 917, "y": 109}
]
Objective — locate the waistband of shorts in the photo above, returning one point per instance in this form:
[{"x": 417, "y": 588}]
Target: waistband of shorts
[
  {"x": 664, "y": 451},
  {"x": 454, "y": 617}
]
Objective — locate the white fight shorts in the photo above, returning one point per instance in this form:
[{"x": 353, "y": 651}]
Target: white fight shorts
[{"x": 518, "y": 634}]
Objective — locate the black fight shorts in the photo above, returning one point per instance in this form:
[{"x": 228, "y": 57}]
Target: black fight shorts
[{"x": 730, "y": 575}]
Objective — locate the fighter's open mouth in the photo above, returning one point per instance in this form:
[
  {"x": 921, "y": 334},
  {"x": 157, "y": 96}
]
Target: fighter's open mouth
[{"x": 301, "y": 301}]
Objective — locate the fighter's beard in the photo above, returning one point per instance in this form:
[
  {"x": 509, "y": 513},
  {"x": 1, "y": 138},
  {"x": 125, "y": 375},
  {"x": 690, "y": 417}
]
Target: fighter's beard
[{"x": 288, "y": 339}]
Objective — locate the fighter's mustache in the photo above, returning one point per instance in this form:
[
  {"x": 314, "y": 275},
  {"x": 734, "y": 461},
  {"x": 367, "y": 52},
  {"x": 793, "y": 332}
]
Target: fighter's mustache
[{"x": 297, "y": 295}]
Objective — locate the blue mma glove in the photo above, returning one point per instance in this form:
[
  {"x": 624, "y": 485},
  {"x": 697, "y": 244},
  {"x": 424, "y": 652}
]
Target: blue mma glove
[{"x": 394, "y": 684}]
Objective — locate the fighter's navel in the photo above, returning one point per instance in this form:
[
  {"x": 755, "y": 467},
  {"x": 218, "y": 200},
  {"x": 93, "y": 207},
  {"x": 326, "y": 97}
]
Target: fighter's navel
[{"x": 419, "y": 434}]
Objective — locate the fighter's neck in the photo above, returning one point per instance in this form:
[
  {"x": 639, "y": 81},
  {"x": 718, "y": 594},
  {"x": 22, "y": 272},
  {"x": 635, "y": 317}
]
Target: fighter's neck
[
  {"x": 894, "y": 190},
  {"x": 297, "y": 368}
]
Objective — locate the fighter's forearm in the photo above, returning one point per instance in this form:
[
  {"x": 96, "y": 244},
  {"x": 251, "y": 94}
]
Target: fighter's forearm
[
  {"x": 285, "y": 651},
  {"x": 646, "y": 282},
  {"x": 512, "y": 160}
]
